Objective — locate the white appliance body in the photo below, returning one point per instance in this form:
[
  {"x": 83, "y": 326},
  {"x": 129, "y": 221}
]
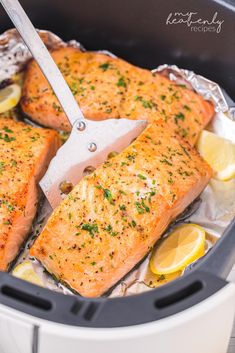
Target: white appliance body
[{"x": 204, "y": 328}]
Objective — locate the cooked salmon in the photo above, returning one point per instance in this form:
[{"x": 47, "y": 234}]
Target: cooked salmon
[
  {"x": 25, "y": 152},
  {"x": 107, "y": 87},
  {"x": 113, "y": 217}
]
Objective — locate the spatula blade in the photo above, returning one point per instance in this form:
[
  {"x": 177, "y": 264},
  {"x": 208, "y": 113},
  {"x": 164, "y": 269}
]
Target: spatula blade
[{"x": 74, "y": 156}]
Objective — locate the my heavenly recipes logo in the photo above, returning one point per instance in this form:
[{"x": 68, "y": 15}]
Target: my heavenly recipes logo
[{"x": 195, "y": 23}]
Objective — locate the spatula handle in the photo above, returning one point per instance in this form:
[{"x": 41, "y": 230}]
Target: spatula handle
[{"x": 44, "y": 59}]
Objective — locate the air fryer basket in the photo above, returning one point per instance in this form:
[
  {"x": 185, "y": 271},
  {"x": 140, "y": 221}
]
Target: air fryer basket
[{"x": 136, "y": 30}]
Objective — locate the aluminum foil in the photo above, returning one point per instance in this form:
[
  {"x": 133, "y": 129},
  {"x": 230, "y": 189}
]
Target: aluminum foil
[{"x": 213, "y": 211}]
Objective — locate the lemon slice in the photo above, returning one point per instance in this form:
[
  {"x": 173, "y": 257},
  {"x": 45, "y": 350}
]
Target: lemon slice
[
  {"x": 152, "y": 280},
  {"x": 182, "y": 246},
  {"x": 219, "y": 153},
  {"x": 9, "y": 97},
  {"x": 26, "y": 272}
]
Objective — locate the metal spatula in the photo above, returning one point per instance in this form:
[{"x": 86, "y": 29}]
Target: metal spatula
[{"x": 90, "y": 142}]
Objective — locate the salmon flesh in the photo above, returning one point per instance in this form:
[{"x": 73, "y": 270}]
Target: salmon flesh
[
  {"x": 113, "y": 217},
  {"x": 107, "y": 87},
  {"x": 25, "y": 153}
]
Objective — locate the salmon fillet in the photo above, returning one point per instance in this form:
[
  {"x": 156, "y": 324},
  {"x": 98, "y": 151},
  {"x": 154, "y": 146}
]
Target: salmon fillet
[
  {"x": 25, "y": 153},
  {"x": 108, "y": 87},
  {"x": 113, "y": 217}
]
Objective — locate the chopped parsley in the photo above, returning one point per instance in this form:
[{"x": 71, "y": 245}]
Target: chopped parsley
[
  {"x": 131, "y": 157},
  {"x": 6, "y": 129},
  {"x": 57, "y": 107},
  {"x": 185, "y": 151},
  {"x": 133, "y": 224},
  {"x": 10, "y": 207},
  {"x": 186, "y": 107},
  {"x": 142, "y": 207},
  {"x": 104, "y": 66},
  {"x": 150, "y": 195},
  {"x": 165, "y": 161},
  {"x": 121, "y": 82},
  {"x": 74, "y": 88},
  {"x": 107, "y": 194},
  {"x": 2, "y": 166},
  {"x": 148, "y": 137},
  {"x": 109, "y": 229},
  {"x": 146, "y": 103},
  {"x": 179, "y": 116},
  {"x": 35, "y": 137},
  {"x": 141, "y": 176},
  {"x": 92, "y": 229},
  {"x": 6, "y": 137},
  {"x": 122, "y": 192}
]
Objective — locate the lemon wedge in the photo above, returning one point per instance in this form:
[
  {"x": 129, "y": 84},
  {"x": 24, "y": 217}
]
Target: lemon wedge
[
  {"x": 182, "y": 246},
  {"x": 26, "y": 272},
  {"x": 219, "y": 154},
  {"x": 9, "y": 97}
]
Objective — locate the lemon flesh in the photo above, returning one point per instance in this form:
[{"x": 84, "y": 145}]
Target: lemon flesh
[
  {"x": 182, "y": 246},
  {"x": 26, "y": 272},
  {"x": 9, "y": 97},
  {"x": 219, "y": 154},
  {"x": 152, "y": 280}
]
